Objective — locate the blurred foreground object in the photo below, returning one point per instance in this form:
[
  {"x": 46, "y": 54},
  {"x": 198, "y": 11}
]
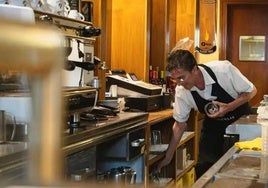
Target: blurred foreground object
[{"x": 37, "y": 51}]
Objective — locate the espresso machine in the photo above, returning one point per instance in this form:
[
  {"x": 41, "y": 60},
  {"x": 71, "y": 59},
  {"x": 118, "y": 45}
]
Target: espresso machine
[{"x": 77, "y": 101}]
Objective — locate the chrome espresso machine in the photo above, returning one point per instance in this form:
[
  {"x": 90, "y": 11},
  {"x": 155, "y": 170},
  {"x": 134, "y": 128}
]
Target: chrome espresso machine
[{"x": 78, "y": 100}]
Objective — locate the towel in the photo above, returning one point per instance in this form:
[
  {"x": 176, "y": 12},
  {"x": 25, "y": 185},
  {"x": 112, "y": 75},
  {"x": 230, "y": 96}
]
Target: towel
[{"x": 255, "y": 144}]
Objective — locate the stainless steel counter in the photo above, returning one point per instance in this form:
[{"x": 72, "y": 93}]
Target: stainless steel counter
[
  {"x": 237, "y": 168},
  {"x": 13, "y": 161},
  {"x": 94, "y": 133},
  {"x": 14, "y": 155},
  {"x": 11, "y": 153}
]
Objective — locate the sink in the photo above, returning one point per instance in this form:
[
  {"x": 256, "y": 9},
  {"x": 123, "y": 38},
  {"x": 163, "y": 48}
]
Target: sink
[{"x": 246, "y": 131}]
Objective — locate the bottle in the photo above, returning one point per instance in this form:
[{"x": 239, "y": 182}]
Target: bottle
[
  {"x": 150, "y": 73},
  {"x": 162, "y": 79},
  {"x": 157, "y": 75}
]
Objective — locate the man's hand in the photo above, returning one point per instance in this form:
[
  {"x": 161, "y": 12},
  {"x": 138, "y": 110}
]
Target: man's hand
[
  {"x": 178, "y": 129},
  {"x": 223, "y": 109}
]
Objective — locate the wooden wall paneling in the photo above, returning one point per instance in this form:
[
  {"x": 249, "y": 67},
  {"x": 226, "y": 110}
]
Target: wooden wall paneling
[
  {"x": 106, "y": 10},
  {"x": 129, "y": 45},
  {"x": 158, "y": 33},
  {"x": 238, "y": 15},
  {"x": 172, "y": 20},
  {"x": 172, "y": 24},
  {"x": 148, "y": 39},
  {"x": 185, "y": 27}
]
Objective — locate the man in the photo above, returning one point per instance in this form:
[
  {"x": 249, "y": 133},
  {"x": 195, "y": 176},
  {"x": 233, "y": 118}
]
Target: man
[{"x": 217, "y": 82}]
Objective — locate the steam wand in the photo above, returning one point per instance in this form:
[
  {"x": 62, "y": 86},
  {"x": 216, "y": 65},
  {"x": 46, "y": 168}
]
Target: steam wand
[
  {"x": 80, "y": 55},
  {"x": 81, "y": 76}
]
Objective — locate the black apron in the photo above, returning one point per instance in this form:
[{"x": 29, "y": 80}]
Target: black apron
[{"x": 211, "y": 139}]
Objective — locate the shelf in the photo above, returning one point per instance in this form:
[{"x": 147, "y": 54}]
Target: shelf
[
  {"x": 87, "y": 40},
  {"x": 163, "y": 121},
  {"x": 156, "y": 117},
  {"x": 62, "y": 20},
  {"x": 187, "y": 135},
  {"x": 156, "y": 156},
  {"x": 164, "y": 182}
]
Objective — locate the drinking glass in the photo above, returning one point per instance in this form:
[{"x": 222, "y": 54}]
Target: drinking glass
[{"x": 156, "y": 137}]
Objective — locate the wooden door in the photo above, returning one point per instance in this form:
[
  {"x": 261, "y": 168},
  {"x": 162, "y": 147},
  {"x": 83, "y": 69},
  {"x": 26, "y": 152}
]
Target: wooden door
[{"x": 240, "y": 19}]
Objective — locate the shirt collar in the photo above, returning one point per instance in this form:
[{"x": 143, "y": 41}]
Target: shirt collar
[{"x": 207, "y": 78}]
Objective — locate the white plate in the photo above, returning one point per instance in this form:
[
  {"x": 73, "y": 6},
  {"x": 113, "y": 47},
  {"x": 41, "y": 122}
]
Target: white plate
[{"x": 158, "y": 148}]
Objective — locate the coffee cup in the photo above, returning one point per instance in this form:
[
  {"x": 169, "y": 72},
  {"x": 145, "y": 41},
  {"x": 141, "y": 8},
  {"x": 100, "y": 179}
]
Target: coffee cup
[
  {"x": 76, "y": 15},
  {"x": 47, "y": 5},
  {"x": 34, "y": 4},
  {"x": 29, "y": 3},
  {"x": 113, "y": 90},
  {"x": 62, "y": 7}
]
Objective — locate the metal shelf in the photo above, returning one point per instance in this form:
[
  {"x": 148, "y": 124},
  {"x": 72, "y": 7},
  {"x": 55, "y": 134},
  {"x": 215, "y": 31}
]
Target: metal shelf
[{"x": 69, "y": 26}]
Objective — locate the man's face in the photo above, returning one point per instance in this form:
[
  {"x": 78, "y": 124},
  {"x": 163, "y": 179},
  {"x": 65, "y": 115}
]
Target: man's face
[{"x": 183, "y": 77}]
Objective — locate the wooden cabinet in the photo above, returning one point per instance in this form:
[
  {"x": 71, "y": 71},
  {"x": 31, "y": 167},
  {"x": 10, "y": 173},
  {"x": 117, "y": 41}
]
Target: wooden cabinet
[{"x": 184, "y": 158}]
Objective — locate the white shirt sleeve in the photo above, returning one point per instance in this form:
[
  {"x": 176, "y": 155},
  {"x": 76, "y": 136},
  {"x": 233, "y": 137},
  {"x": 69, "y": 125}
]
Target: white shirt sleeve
[
  {"x": 183, "y": 104},
  {"x": 231, "y": 79}
]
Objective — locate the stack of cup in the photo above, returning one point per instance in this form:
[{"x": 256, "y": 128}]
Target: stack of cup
[
  {"x": 59, "y": 7},
  {"x": 76, "y": 15}
]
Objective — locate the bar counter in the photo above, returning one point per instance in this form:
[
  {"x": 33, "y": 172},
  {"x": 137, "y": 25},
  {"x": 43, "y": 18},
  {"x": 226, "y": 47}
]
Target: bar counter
[{"x": 238, "y": 167}]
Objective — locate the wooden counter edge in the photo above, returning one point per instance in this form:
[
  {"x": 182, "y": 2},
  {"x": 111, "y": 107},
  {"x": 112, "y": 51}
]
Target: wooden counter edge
[{"x": 158, "y": 116}]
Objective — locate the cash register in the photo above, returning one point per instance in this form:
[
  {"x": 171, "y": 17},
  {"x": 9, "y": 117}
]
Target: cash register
[
  {"x": 129, "y": 81},
  {"x": 138, "y": 94}
]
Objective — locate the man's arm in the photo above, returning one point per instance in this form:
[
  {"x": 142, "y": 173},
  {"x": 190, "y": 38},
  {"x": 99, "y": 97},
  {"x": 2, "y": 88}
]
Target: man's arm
[
  {"x": 227, "y": 107},
  {"x": 178, "y": 130}
]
